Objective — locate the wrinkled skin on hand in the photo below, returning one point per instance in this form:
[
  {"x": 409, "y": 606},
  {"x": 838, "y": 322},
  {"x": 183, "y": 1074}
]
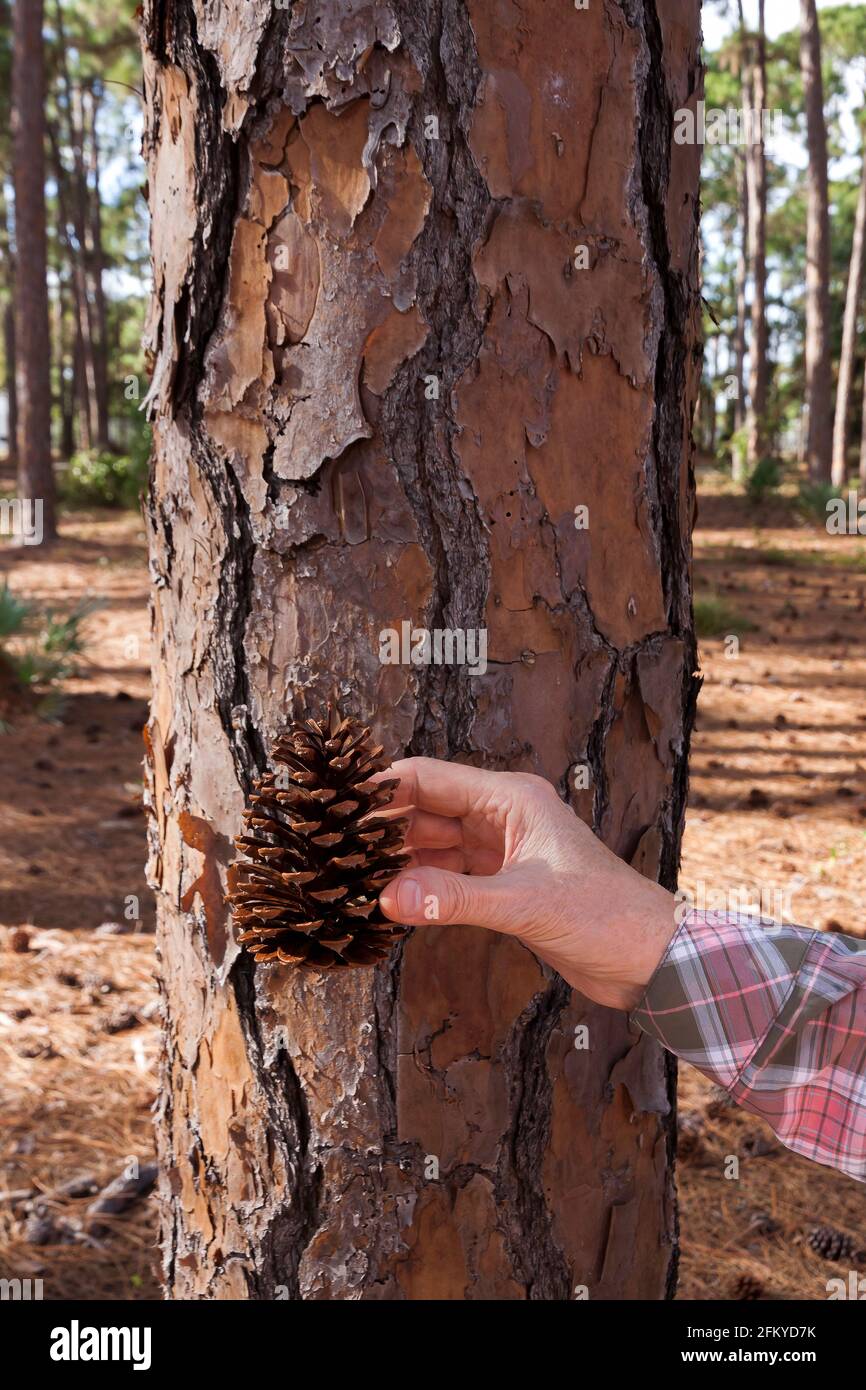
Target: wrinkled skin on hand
[{"x": 501, "y": 850}]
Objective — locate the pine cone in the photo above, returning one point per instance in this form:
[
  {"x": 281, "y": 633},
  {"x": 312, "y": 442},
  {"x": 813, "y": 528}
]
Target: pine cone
[
  {"x": 830, "y": 1244},
  {"x": 308, "y": 892}
]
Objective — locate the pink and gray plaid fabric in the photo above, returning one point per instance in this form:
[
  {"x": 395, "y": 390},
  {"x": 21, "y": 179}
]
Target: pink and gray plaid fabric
[{"x": 777, "y": 1016}]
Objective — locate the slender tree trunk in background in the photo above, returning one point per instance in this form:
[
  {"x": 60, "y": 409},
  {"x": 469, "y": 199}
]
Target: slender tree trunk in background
[
  {"x": 738, "y": 457},
  {"x": 77, "y": 198},
  {"x": 82, "y": 383},
  {"x": 97, "y": 267},
  {"x": 707, "y": 438},
  {"x": 709, "y": 401},
  {"x": 66, "y": 381},
  {"x": 65, "y": 335},
  {"x": 33, "y": 360},
  {"x": 82, "y": 393},
  {"x": 847, "y": 357},
  {"x": 756, "y": 157},
  {"x": 381, "y": 387},
  {"x": 11, "y": 391},
  {"x": 79, "y": 202},
  {"x": 819, "y": 366},
  {"x": 861, "y": 472},
  {"x": 9, "y": 319}
]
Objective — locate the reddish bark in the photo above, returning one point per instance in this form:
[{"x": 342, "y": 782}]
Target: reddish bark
[{"x": 381, "y": 387}]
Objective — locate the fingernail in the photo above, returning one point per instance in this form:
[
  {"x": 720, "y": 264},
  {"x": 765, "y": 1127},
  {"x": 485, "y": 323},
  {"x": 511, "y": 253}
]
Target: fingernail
[{"x": 409, "y": 898}]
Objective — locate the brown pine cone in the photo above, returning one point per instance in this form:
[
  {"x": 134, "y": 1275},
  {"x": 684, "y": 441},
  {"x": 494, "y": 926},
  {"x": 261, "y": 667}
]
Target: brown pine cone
[
  {"x": 830, "y": 1244},
  {"x": 307, "y": 893}
]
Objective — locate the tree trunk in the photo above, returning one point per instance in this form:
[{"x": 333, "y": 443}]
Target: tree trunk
[
  {"x": 862, "y": 468},
  {"x": 756, "y": 157},
  {"x": 66, "y": 384},
  {"x": 847, "y": 357},
  {"x": 11, "y": 391},
  {"x": 738, "y": 456},
  {"x": 819, "y": 366},
  {"x": 9, "y": 320},
  {"x": 97, "y": 267},
  {"x": 383, "y": 385},
  {"x": 33, "y": 362},
  {"x": 82, "y": 382},
  {"x": 94, "y": 428}
]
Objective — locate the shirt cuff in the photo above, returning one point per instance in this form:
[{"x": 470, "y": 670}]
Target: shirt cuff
[{"x": 723, "y": 984}]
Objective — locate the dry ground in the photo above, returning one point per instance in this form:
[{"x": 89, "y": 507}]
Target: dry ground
[
  {"x": 778, "y": 807},
  {"x": 78, "y": 1034},
  {"x": 777, "y": 815}
]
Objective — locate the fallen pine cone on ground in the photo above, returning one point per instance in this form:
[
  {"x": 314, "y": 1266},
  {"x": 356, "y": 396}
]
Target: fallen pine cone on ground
[{"x": 831, "y": 1244}]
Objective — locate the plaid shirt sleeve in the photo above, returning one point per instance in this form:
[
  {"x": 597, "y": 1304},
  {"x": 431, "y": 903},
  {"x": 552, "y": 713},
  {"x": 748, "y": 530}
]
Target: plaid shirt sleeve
[{"x": 777, "y": 1016}]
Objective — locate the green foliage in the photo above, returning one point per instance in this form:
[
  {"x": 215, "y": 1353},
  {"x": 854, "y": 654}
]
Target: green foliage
[
  {"x": 99, "y": 479},
  {"x": 843, "y": 35},
  {"x": 13, "y": 613},
  {"x": 734, "y": 446},
  {"x": 714, "y": 617},
  {"x": 812, "y": 499},
  {"x": 51, "y": 654},
  {"x": 763, "y": 480},
  {"x": 45, "y": 651}
]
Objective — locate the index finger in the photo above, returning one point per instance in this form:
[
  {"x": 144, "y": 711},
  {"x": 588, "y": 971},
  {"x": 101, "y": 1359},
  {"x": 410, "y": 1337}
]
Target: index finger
[{"x": 448, "y": 789}]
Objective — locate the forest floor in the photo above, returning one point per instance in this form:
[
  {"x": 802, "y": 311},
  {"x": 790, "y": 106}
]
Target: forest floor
[{"x": 778, "y": 808}]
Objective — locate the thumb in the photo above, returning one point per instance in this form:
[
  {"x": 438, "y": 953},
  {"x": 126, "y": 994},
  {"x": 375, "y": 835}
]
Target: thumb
[{"x": 420, "y": 895}]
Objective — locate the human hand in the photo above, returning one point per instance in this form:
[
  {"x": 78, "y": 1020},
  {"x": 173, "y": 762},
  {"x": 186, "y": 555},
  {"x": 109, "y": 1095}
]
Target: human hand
[{"x": 501, "y": 850}]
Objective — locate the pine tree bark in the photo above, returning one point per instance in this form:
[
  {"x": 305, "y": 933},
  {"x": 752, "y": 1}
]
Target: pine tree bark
[
  {"x": 382, "y": 385},
  {"x": 32, "y": 349},
  {"x": 847, "y": 357},
  {"x": 818, "y": 361},
  {"x": 756, "y": 157}
]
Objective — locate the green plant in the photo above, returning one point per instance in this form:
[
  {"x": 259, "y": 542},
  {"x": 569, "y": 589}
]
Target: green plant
[
  {"x": 13, "y": 612},
  {"x": 45, "y": 653},
  {"x": 50, "y": 657},
  {"x": 734, "y": 447},
  {"x": 764, "y": 478},
  {"x": 777, "y": 556},
  {"x": 96, "y": 478},
  {"x": 812, "y": 499},
  {"x": 715, "y": 618}
]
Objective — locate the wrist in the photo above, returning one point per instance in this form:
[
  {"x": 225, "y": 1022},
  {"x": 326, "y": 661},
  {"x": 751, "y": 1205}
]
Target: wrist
[{"x": 633, "y": 935}]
